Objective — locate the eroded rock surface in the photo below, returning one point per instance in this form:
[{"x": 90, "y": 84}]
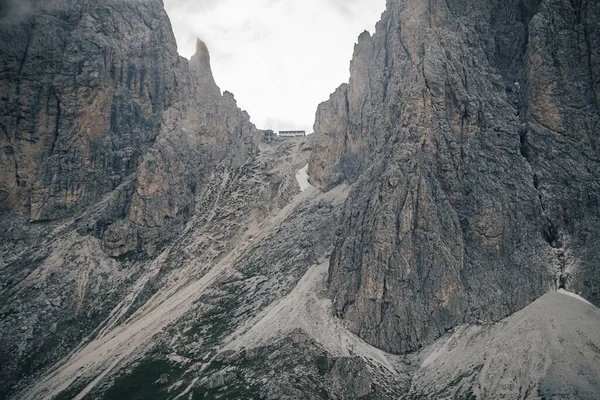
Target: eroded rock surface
[
  {"x": 97, "y": 100},
  {"x": 108, "y": 139},
  {"x": 150, "y": 247},
  {"x": 471, "y": 133}
]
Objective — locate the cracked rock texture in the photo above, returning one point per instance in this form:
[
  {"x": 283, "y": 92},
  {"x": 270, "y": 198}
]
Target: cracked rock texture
[
  {"x": 95, "y": 99},
  {"x": 471, "y": 133},
  {"x": 152, "y": 247}
]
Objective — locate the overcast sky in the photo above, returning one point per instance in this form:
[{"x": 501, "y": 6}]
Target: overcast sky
[{"x": 280, "y": 58}]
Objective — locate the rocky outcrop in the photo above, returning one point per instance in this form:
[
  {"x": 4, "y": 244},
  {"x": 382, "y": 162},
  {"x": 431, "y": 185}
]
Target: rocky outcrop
[
  {"x": 202, "y": 130},
  {"x": 151, "y": 248},
  {"x": 471, "y": 133},
  {"x": 97, "y": 100},
  {"x": 109, "y": 139}
]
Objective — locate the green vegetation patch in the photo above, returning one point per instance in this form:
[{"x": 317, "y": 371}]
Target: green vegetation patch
[{"x": 148, "y": 380}]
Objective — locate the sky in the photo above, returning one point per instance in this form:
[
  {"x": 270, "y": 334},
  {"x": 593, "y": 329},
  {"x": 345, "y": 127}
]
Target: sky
[{"x": 280, "y": 58}]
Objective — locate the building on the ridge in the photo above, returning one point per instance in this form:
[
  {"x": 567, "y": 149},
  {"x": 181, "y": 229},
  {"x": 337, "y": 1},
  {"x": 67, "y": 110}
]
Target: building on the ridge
[
  {"x": 291, "y": 134},
  {"x": 268, "y": 136}
]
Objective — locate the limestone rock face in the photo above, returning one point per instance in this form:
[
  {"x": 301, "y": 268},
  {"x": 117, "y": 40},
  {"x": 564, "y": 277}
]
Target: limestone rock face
[
  {"x": 150, "y": 247},
  {"x": 108, "y": 140},
  {"x": 81, "y": 104},
  {"x": 95, "y": 99},
  {"x": 470, "y": 132}
]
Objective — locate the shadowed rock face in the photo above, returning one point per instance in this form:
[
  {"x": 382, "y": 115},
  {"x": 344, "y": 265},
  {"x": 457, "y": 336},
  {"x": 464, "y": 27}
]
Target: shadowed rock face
[
  {"x": 82, "y": 103},
  {"x": 471, "y": 133},
  {"x": 95, "y": 99}
]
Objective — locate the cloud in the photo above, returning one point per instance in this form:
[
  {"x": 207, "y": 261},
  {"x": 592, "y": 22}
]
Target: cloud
[
  {"x": 14, "y": 11},
  {"x": 280, "y": 58}
]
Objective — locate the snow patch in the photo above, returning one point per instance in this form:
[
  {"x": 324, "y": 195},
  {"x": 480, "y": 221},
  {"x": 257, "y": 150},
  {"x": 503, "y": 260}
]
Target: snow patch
[
  {"x": 302, "y": 178},
  {"x": 563, "y": 291}
]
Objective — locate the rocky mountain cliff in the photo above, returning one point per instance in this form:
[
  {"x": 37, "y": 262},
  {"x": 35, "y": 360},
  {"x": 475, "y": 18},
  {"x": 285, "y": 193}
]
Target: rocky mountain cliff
[
  {"x": 471, "y": 134},
  {"x": 105, "y": 130},
  {"x": 96, "y": 100},
  {"x": 152, "y": 247}
]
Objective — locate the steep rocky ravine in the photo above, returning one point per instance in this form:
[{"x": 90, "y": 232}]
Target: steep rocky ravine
[{"x": 152, "y": 247}]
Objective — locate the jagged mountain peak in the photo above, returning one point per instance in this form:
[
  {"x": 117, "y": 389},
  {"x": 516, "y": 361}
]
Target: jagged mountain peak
[
  {"x": 200, "y": 61},
  {"x": 201, "y": 49},
  {"x": 155, "y": 244}
]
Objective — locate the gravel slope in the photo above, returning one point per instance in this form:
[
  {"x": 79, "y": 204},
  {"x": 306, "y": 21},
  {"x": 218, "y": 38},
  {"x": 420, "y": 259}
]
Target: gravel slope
[{"x": 550, "y": 349}]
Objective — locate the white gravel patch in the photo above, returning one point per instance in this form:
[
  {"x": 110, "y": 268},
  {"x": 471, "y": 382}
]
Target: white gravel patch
[
  {"x": 563, "y": 291},
  {"x": 302, "y": 178}
]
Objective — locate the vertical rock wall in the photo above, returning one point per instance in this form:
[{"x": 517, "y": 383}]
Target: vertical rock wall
[
  {"x": 95, "y": 100},
  {"x": 85, "y": 85},
  {"x": 471, "y": 131}
]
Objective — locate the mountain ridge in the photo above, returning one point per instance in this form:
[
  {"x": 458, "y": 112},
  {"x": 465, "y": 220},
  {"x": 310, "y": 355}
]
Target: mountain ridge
[{"x": 152, "y": 246}]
